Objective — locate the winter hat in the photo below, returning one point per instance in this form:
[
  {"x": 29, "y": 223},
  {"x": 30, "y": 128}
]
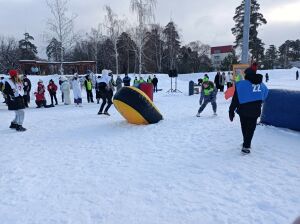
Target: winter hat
[
  {"x": 40, "y": 81},
  {"x": 249, "y": 71},
  {"x": 254, "y": 66},
  {"x": 13, "y": 73}
]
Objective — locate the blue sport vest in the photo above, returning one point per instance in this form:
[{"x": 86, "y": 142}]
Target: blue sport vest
[{"x": 248, "y": 92}]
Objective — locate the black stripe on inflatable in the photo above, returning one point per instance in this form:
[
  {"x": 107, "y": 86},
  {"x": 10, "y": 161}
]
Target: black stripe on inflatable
[{"x": 140, "y": 103}]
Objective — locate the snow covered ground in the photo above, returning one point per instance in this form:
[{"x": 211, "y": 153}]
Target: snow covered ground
[{"x": 73, "y": 166}]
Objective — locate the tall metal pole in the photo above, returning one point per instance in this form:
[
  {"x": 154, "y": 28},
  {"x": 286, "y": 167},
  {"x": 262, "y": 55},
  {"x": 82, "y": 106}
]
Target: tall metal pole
[{"x": 246, "y": 32}]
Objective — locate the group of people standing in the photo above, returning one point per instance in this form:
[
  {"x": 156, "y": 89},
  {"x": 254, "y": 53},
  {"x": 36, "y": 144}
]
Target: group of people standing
[
  {"x": 17, "y": 92},
  {"x": 222, "y": 79}
]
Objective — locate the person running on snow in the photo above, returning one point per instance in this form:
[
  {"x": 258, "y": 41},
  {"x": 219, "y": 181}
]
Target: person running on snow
[
  {"x": 208, "y": 95},
  {"x": 76, "y": 85},
  {"x": 52, "y": 88},
  {"x": 247, "y": 101},
  {"x": 105, "y": 92},
  {"x": 14, "y": 91}
]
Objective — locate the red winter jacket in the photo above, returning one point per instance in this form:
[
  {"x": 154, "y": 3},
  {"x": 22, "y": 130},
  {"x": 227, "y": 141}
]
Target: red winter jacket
[
  {"x": 40, "y": 94},
  {"x": 52, "y": 88}
]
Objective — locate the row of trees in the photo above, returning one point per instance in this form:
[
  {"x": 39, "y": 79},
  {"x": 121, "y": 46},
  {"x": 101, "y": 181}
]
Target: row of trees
[{"x": 146, "y": 47}]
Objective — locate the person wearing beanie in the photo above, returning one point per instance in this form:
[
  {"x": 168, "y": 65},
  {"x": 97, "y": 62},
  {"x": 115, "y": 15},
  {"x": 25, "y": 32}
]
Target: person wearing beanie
[
  {"x": 14, "y": 92},
  {"x": 246, "y": 102}
]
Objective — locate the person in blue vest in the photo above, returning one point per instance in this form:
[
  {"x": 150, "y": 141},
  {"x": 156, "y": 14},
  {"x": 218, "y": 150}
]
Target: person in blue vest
[{"x": 247, "y": 102}]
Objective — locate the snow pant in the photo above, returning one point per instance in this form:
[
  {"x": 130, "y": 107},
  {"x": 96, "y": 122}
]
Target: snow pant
[
  {"x": 106, "y": 97},
  {"x": 89, "y": 95},
  {"x": 204, "y": 104},
  {"x": 53, "y": 95},
  {"x": 221, "y": 88},
  {"x": 154, "y": 88},
  {"x": 62, "y": 97},
  {"x": 19, "y": 117},
  {"x": 248, "y": 125}
]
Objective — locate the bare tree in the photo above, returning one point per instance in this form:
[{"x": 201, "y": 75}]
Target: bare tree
[
  {"x": 95, "y": 38},
  {"x": 61, "y": 25},
  {"x": 200, "y": 48},
  {"x": 144, "y": 10},
  {"x": 114, "y": 27}
]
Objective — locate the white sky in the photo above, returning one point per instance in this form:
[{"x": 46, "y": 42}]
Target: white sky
[{"x": 209, "y": 21}]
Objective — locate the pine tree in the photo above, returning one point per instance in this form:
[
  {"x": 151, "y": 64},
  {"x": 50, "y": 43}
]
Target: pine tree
[
  {"x": 172, "y": 46},
  {"x": 285, "y": 54},
  {"x": 27, "y": 49},
  {"x": 127, "y": 56},
  {"x": 53, "y": 50},
  {"x": 271, "y": 57},
  {"x": 256, "y": 46},
  {"x": 153, "y": 50},
  {"x": 231, "y": 59}
]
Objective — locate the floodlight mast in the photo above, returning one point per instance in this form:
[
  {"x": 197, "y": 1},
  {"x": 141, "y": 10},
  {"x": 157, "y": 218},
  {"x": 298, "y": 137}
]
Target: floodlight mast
[{"x": 246, "y": 31}]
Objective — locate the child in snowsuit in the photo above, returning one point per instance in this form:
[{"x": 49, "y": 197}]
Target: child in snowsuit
[
  {"x": 14, "y": 91},
  {"x": 247, "y": 100},
  {"x": 208, "y": 95}
]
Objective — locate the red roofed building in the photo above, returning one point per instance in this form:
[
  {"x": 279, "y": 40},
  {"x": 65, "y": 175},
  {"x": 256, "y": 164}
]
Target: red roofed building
[{"x": 218, "y": 54}]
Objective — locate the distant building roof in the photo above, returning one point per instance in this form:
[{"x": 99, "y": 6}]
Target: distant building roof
[{"x": 221, "y": 49}]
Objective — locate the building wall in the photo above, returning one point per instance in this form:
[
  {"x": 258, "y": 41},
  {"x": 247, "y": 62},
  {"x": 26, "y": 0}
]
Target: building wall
[{"x": 218, "y": 58}]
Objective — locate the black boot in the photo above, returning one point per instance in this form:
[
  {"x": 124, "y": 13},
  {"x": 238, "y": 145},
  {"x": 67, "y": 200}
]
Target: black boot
[
  {"x": 20, "y": 128},
  {"x": 246, "y": 150},
  {"x": 13, "y": 125}
]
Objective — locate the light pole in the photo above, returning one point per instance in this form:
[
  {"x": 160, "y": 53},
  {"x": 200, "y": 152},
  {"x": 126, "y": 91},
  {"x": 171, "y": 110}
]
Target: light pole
[{"x": 246, "y": 31}]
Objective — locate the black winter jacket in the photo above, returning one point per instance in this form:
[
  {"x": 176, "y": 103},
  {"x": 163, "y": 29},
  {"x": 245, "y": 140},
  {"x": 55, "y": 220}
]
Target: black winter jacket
[{"x": 251, "y": 109}]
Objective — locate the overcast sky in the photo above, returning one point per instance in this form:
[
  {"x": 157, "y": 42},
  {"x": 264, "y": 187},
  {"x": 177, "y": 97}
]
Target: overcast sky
[{"x": 209, "y": 21}]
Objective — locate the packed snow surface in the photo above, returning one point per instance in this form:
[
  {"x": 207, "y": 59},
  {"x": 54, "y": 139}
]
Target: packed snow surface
[{"x": 73, "y": 166}]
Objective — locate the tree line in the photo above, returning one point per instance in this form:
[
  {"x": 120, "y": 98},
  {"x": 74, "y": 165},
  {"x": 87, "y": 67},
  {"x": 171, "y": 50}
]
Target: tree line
[{"x": 145, "y": 48}]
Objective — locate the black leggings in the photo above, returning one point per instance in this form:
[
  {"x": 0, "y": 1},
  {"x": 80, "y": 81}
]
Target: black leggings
[
  {"x": 106, "y": 97},
  {"x": 248, "y": 125},
  {"x": 53, "y": 95}
]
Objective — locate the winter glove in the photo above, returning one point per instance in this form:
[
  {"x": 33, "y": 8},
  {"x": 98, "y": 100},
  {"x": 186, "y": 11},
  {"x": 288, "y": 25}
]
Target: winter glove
[{"x": 231, "y": 116}]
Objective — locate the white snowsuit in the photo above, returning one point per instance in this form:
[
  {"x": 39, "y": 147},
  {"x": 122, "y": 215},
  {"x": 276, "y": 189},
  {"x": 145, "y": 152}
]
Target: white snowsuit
[
  {"x": 77, "y": 91},
  {"x": 65, "y": 87}
]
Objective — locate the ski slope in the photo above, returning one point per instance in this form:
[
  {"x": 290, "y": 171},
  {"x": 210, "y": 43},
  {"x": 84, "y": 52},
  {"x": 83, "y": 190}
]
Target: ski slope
[{"x": 73, "y": 166}]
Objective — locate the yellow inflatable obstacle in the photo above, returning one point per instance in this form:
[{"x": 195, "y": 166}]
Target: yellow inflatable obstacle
[{"x": 136, "y": 107}]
